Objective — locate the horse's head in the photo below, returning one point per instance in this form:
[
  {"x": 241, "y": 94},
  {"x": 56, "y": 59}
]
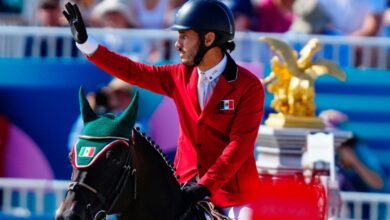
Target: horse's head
[{"x": 102, "y": 165}]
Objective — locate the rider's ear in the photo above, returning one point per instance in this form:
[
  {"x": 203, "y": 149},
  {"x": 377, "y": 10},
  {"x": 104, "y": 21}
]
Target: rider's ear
[{"x": 209, "y": 39}]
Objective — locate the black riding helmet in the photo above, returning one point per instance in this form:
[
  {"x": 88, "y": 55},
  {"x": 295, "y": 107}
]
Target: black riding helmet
[{"x": 205, "y": 16}]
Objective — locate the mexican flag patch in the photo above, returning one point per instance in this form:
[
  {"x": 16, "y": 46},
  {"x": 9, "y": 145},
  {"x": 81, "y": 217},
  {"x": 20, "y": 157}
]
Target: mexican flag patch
[
  {"x": 87, "y": 151},
  {"x": 227, "y": 104}
]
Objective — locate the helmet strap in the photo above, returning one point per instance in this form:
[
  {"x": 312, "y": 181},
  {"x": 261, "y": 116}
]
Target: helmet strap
[
  {"x": 202, "y": 47},
  {"x": 202, "y": 50}
]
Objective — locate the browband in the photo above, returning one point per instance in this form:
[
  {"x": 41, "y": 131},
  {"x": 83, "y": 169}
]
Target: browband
[{"x": 103, "y": 137}]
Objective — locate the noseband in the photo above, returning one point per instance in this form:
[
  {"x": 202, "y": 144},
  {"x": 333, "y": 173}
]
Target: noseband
[{"x": 109, "y": 202}]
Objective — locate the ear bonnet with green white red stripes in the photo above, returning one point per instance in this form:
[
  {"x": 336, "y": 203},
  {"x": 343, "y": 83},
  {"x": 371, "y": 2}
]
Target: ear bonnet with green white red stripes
[{"x": 100, "y": 133}]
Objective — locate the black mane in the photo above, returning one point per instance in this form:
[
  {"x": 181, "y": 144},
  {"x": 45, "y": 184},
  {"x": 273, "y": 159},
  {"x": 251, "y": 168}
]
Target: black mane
[
  {"x": 157, "y": 148},
  {"x": 155, "y": 151}
]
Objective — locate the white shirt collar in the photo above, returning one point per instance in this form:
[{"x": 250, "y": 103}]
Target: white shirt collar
[{"x": 216, "y": 70}]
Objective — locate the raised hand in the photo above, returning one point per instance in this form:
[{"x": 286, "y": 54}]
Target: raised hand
[{"x": 76, "y": 23}]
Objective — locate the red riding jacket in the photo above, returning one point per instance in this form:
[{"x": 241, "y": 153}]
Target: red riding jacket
[{"x": 217, "y": 144}]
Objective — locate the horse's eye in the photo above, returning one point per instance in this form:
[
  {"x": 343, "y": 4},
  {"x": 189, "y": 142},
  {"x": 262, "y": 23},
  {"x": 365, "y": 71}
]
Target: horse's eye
[
  {"x": 111, "y": 154},
  {"x": 114, "y": 156}
]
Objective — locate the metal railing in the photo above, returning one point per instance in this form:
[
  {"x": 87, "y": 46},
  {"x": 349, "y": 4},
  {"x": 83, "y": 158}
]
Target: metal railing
[
  {"x": 358, "y": 205},
  {"x": 346, "y": 51},
  {"x": 26, "y": 197}
]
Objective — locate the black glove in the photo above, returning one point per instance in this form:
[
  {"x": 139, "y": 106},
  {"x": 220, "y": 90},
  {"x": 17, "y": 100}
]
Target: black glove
[
  {"x": 76, "y": 23},
  {"x": 195, "y": 193}
]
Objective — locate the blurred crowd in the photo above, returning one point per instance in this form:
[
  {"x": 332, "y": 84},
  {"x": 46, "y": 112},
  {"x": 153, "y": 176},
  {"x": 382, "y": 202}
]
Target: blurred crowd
[
  {"x": 334, "y": 17},
  {"x": 327, "y": 17}
]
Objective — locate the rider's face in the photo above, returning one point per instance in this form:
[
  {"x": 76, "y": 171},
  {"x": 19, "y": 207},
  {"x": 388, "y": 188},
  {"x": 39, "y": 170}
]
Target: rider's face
[{"x": 188, "y": 46}]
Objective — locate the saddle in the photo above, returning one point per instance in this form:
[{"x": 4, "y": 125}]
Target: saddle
[{"x": 203, "y": 210}]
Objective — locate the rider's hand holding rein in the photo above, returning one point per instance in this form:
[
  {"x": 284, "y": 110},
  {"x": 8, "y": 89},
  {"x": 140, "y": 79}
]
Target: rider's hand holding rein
[
  {"x": 195, "y": 193},
  {"x": 76, "y": 23}
]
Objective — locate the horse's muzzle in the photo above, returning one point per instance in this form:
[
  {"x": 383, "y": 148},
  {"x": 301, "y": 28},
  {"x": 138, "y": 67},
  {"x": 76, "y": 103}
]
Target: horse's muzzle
[
  {"x": 73, "y": 216},
  {"x": 74, "y": 213}
]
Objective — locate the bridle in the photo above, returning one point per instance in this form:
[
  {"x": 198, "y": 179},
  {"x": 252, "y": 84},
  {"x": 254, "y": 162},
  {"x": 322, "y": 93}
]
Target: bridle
[{"x": 109, "y": 202}]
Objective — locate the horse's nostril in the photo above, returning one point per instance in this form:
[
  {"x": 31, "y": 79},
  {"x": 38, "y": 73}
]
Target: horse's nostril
[{"x": 59, "y": 217}]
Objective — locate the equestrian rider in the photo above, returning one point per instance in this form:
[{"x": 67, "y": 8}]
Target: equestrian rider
[{"x": 220, "y": 104}]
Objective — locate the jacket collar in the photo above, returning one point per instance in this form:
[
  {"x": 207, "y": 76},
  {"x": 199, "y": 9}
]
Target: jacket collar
[
  {"x": 231, "y": 70},
  {"x": 222, "y": 87},
  {"x": 215, "y": 71}
]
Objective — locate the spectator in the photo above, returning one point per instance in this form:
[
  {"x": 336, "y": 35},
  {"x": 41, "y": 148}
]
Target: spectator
[
  {"x": 155, "y": 14},
  {"x": 360, "y": 18},
  {"x": 309, "y": 18},
  {"x": 359, "y": 167},
  {"x": 169, "y": 15},
  {"x": 49, "y": 13},
  {"x": 85, "y": 7},
  {"x": 273, "y": 16},
  {"x": 242, "y": 12},
  {"x": 115, "y": 14},
  {"x": 122, "y": 94},
  {"x": 355, "y": 17}
]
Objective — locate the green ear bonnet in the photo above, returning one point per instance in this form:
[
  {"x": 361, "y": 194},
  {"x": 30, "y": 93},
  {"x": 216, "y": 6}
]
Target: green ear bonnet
[{"x": 101, "y": 133}]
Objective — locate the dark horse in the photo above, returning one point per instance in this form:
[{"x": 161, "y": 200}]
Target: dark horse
[{"x": 115, "y": 172}]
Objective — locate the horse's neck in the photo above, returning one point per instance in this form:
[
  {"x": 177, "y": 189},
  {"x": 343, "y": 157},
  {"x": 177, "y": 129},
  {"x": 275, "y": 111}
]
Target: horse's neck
[
  {"x": 157, "y": 188},
  {"x": 151, "y": 162}
]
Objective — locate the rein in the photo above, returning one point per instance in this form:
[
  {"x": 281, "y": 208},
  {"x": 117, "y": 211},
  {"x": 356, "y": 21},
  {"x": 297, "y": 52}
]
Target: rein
[{"x": 108, "y": 204}]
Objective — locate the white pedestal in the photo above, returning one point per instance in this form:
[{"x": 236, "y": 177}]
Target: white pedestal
[{"x": 279, "y": 150}]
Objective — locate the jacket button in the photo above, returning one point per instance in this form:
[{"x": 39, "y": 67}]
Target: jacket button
[
  {"x": 177, "y": 177},
  {"x": 200, "y": 123},
  {"x": 199, "y": 166},
  {"x": 199, "y": 145}
]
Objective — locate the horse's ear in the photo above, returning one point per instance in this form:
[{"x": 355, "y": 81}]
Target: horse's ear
[
  {"x": 128, "y": 117},
  {"x": 85, "y": 109}
]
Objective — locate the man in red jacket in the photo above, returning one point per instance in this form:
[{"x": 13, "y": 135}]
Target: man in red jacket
[{"x": 220, "y": 104}]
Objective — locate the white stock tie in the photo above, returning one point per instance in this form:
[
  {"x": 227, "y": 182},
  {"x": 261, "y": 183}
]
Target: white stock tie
[{"x": 202, "y": 90}]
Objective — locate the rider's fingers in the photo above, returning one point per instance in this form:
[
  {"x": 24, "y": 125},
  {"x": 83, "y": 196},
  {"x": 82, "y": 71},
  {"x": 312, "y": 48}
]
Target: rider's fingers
[
  {"x": 77, "y": 12},
  {"x": 66, "y": 15},
  {"x": 70, "y": 10}
]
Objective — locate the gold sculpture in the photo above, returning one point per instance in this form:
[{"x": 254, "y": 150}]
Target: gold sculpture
[{"x": 292, "y": 83}]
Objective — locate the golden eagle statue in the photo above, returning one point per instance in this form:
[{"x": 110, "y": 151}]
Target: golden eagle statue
[{"x": 292, "y": 83}]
